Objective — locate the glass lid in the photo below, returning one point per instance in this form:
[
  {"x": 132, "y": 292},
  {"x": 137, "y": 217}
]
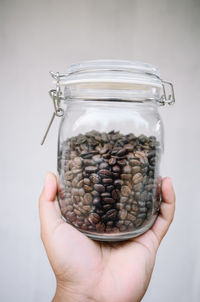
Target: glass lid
[{"x": 111, "y": 72}]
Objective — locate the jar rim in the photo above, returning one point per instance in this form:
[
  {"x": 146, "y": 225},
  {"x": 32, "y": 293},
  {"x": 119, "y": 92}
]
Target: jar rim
[{"x": 113, "y": 65}]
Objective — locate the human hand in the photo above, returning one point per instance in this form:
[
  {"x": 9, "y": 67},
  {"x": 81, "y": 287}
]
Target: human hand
[{"x": 88, "y": 270}]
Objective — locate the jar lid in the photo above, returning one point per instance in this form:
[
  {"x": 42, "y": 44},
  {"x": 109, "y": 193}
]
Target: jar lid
[
  {"x": 112, "y": 71},
  {"x": 109, "y": 79}
]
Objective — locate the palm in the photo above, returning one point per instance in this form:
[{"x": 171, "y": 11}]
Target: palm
[
  {"x": 111, "y": 270},
  {"x": 97, "y": 270}
]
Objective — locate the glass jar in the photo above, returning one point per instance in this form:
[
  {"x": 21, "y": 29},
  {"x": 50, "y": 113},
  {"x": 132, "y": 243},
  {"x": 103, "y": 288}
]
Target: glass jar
[{"x": 109, "y": 146}]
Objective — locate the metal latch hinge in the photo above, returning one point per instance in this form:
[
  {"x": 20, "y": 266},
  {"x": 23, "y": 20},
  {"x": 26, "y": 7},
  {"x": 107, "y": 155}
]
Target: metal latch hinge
[
  {"x": 170, "y": 99},
  {"x": 56, "y": 96}
]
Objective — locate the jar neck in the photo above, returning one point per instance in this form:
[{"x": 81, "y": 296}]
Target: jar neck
[{"x": 112, "y": 91}]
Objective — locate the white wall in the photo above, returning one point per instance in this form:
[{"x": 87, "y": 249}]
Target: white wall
[{"x": 38, "y": 36}]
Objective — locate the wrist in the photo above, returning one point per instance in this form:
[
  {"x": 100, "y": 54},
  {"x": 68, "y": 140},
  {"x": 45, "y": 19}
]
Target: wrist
[{"x": 64, "y": 294}]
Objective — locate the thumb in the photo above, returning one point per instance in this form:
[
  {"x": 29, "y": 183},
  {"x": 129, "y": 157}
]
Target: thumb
[
  {"x": 166, "y": 210},
  {"x": 50, "y": 215}
]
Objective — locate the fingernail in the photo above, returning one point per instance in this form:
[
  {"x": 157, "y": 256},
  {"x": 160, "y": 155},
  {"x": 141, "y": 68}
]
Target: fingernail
[{"x": 48, "y": 177}]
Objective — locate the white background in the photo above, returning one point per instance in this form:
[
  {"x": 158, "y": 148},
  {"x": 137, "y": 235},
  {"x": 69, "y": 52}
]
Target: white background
[{"x": 39, "y": 36}]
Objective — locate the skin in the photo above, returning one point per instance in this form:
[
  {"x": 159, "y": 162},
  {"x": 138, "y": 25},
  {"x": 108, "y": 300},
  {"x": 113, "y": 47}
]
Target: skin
[{"x": 88, "y": 270}]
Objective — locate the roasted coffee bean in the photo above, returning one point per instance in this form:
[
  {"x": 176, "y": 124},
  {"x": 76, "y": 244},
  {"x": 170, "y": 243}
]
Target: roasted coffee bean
[
  {"x": 137, "y": 178},
  {"x": 126, "y": 176},
  {"x": 87, "y": 199},
  {"x": 112, "y": 161},
  {"x": 123, "y": 199},
  {"x": 103, "y": 165},
  {"x": 100, "y": 227},
  {"x": 127, "y": 169},
  {"x": 122, "y": 162},
  {"x": 137, "y": 187},
  {"x": 108, "y": 200},
  {"x": 99, "y": 188},
  {"x": 105, "y": 149},
  {"x": 107, "y": 206},
  {"x": 91, "y": 169},
  {"x": 86, "y": 181},
  {"x": 95, "y": 178},
  {"x": 97, "y": 159},
  {"x": 109, "y": 181},
  {"x": 122, "y": 152},
  {"x": 93, "y": 218},
  {"x": 125, "y": 190},
  {"x": 123, "y": 214},
  {"x": 96, "y": 201},
  {"x": 136, "y": 169},
  {"x": 87, "y": 188},
  {"x": 116, "y": 169},
  {"x": 118, "y": 183},
  {"x": 111, "y": 214},
  {"x": 134, "y": 162},
  {"x": 116, "y": 194},
  {"x": 95, "y": 193},
  {"x": 106, "y": 194},
  {"x": 110, "y": 188},
  {"x": 105, "y": 173}
]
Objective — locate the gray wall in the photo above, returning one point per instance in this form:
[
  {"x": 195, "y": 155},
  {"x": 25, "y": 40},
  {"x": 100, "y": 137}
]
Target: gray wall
[{"x": 38, "y": 36}]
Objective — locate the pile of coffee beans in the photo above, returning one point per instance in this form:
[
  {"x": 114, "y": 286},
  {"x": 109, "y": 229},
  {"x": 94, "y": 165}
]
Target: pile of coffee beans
[{"x": 108, "y": 181}]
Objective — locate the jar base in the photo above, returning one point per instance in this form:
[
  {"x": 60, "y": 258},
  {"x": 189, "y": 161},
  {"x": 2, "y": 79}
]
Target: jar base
[{"x": 116, "y": 237}]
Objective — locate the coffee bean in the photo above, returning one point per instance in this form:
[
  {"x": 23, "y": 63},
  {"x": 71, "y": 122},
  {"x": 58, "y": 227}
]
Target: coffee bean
[
  {"x": 107, "y": 206},
  {"x": 122, "y": 162},
  {"x": 78, "y": 161},
  {"x": 126, "y": 176},
  {"x": 86, "y": 181},
  {"x": 123, "y": 214},
  {"x": 131, "y": 217},
  {"x": 95, "y": 193},
  {"x": 136, "y": 169},
  {"x": 106, "y": 194},
  {"x": 116, "y": 168},
  {"x": 110, "y": 188},
  {"x": 100, "y": 227},
  {"x": 86, "y": 208},
  {"x": 105, "y": 173},
  {"x": 95, "y": 178},
  {"x": 134, "y": 162},
  {"x": 87, "y": 188},
  {"x": 111, "y": 214},
  {"x": 103, "y": 165},
  {"x": 108, "y": 200},
  {"x": 93, "y": 218},
  {"x": 96, "y": 201},
  {"x": 118, "y": 183},
  {"x": 97, "y": 159},
  {"x": 128, "y": 147},
  {"x": 112, "y": 161},
  {"x": 87, "y": 199},
  {"x": 125, "y": 190},
  {"x": 99, "y": 188},
  {"x": 115, "y": 194},
  {"x": 127, "y": 169},
  {"x": 109, "y": 181},
  {"x": 122, "y": 152},
  {"x": 105, "y": 149},
  {"x": 91, "y": 169},
  {"x": 119, "y": 206},
  {"x": 137, "y": 178}
]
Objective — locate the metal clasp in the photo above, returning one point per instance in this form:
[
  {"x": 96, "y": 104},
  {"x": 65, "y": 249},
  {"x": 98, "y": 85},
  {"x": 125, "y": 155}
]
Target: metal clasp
[
  {"x": 170, "y": 99},
  {"x": 56, "y": 96}
]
